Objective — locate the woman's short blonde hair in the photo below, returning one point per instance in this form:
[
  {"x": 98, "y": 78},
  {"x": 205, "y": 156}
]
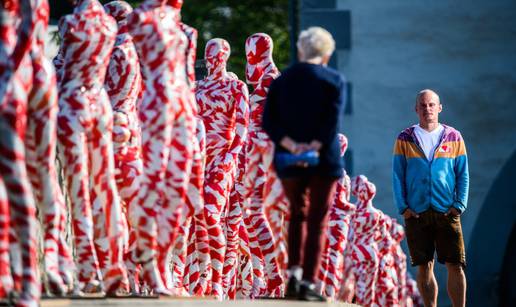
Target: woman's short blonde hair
[{"x": 314, "y": 43}]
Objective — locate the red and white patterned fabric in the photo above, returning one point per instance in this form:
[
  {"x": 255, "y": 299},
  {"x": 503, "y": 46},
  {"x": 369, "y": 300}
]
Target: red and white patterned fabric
[
  {"x": 337, "y": 235},
  {"x": 123, "y": 84},
  {"x": 6, "y": 280},
  {"x": 387, "y": 283},
  {"x": 365, "y": 223},
  {"x": 278, "y": 215},
  {"x": 198, "y": 267},
  {"x": 233, "y": 223},
  {"x": 195, "y": 227},
  {"x": 260, "y": 72},
  {"x": 167, "y": 124},
  {"x": 415, "y": 298},
  {"x": 223, "y": 106},
  {"x": 245, "y": 274},
  {"x": 40, "y": 146},
  {"x": 176, "y": 212},
  {"x": 18, "y": 214},
  {"x": 400, "y": 262},
  {"x": 85, "y": 124}
]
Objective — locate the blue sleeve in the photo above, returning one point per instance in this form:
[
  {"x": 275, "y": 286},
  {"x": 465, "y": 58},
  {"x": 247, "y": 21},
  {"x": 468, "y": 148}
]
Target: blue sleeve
[
  {"x": 399, "y": 166},
  {"x": 270, "y": 117},
  {"x": 462, "y": 183}
]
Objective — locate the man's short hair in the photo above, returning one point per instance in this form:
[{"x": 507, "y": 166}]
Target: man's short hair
[{"x": 315, "y": 42}]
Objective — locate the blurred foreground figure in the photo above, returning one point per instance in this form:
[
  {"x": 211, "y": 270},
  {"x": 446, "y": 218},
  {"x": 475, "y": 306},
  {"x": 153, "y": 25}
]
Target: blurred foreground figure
[
  {"x": 17, "y": 208},
  {"x": 175, "y": 210},
  {"x": 40, "y": 145},
  {"x": 191, "y": 262},
  {"x": 85, "y": 125},
  {"x": 223, "y": 106},
  {"x": 167, "y": 131},
  {"x": 123, "y": 84},
  {"x": 260, "y": 72}
]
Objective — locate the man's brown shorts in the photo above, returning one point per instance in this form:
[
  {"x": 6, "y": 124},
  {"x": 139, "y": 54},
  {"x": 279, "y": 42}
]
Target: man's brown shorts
[{"x": 435, "y": 232}]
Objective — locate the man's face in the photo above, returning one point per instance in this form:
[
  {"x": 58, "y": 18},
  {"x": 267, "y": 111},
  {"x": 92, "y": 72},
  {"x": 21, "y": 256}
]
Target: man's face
[{"x": 428, "y": 108}]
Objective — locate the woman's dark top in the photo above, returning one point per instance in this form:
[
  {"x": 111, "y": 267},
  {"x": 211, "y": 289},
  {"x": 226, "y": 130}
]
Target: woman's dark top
[{"x": 305, "y": 103}]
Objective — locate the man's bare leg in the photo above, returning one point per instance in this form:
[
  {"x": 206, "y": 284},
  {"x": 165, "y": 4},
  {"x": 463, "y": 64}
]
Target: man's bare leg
[
  {"x": 427, "y": 284},
  {"x": 456, "y": 284}
]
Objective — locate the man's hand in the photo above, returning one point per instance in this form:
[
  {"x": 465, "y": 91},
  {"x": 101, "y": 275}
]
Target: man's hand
[
  {"x": 452, "y": 211},
  {"x": 315, "y": 145},
  {"x": 292, "y": 146},
  {"x": 410, "y": 214}
]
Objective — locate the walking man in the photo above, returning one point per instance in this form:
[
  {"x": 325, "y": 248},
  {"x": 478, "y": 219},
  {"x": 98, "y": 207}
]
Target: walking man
[{"x": 430, "y": 184}]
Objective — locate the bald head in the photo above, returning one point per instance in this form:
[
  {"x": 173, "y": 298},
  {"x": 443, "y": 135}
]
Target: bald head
[
  {"x": 427, "y": 94},
  {"x": 428, "y": 107}
]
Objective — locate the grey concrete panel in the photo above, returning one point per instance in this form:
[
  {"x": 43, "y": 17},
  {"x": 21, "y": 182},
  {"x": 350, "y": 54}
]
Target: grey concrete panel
[{"x": 337, "y": 22}]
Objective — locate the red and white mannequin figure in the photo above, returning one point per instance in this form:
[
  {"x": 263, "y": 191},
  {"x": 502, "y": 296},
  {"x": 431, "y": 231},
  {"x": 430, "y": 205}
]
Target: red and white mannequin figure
[
  {"x": 40, "y": 145},
  {"x": 16, "y": 199},
  {"x": 232, "y": 271},
  {"x": 348, "y": 283},
  {"x": 123, "y": 85},
  {"x": 366, "y": 223},
  {"x": 175, "y": 210},
  {"x": 260, "y": 72},
  {"x": 167, "y": 131},
  {"x": 193, "y": 211},
  {"x": 387, "y": 282},
  {"x": 339, "y": 219},
  {"x": 223, "y": 106},
  {"x": 278, "y": 215},
  {"x": 85, "y": 124},
  {"x": 198, "y": 263}
]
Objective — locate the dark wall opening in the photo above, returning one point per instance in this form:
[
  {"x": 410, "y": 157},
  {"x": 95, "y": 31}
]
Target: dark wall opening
[
  {"x": 491, "y": 254},
  {"x": 508, "y": 275}
]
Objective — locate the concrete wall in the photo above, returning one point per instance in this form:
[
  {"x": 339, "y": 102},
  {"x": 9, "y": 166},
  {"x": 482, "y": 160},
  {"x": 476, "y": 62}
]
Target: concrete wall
[{"x": 464, "y": 50}]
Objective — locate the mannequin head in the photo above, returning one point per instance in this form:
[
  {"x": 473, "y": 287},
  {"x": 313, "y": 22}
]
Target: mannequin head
[
  {"x": 362, "y": 189},
  {"x": 216, "y": 54},
  {"x": 258, "y": 51},
  {"x": 119, "y": 10}
]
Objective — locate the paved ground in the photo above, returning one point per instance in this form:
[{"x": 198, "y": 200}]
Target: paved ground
[{"x": 139, "y": 302}]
